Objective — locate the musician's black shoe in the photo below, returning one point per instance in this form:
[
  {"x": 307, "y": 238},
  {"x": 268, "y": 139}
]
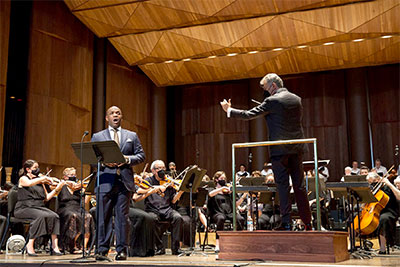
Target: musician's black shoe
[
  {"x": 177, "y": 251},
  {"x": 160, "y": 252},
  {"x": 121, "y": 256},
  {"x": 283, "y": 227},
  {"x": 382, "y": 252},
  {"x": 308, "y": 227}
]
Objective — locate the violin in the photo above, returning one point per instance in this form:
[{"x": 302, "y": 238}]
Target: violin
[
  {"x": 144, "y": 184},
  {"x": 168, "y": 181},
  {"x": 369, "y": 217}
]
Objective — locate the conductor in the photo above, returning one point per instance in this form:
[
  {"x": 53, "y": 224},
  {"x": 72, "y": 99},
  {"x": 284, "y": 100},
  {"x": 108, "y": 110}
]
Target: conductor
[{"x": 283, "y": 113}]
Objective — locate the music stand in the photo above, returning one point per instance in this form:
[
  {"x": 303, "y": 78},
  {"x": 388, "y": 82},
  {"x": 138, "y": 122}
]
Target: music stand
[
  {"x": 97, "y": 153},
  {"x": 361, "y": 193},
  {"x": 355, "y": 178},
  {"x": 190, "y": 182}
]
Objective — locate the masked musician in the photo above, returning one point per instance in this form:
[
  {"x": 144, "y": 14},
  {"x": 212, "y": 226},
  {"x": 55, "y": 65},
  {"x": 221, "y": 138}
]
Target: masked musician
[
  {"x": 388, "y": 215},
  {"x": 70, "y": 213},
  {"x": 160, "y": 207},
  {"x": 32, "y": 195}
]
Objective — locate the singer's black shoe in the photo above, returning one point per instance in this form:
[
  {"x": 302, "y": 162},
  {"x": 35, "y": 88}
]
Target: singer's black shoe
[
  {"x": 121, "y": 256},
  {"x": 283, "y": 227}
]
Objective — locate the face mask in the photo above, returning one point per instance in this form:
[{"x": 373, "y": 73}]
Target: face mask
[
  {"x": 72, "y": 178},
  {"x": 222, "y": 182},
  {"x": 266, "y": 94},
  {"x": 161, "y": 174},
  {"x": 36, "y": 172}
]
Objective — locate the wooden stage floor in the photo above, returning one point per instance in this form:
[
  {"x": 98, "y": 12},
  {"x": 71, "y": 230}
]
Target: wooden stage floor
[{"x": 194, "y": 260}]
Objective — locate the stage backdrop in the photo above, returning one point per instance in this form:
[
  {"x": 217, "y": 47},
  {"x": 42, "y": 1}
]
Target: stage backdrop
[
  {"x": 204, "y": 135},
  {"x": 59, "y": 98},
  {"x": 4, "y": 37}
]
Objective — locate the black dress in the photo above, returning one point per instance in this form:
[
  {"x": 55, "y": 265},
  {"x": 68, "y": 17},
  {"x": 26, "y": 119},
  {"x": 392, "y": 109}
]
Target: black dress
[
  {"x": 220, "y": 207},
  {"x": 388, "y": 217},
  {"x": 30, "y": 206},
  {"x": 141, "y": 231},
  {"x": 71, "y": 219}
]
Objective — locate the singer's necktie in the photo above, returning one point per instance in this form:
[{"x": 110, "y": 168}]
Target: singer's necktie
[{"x": 116, "y": 138}]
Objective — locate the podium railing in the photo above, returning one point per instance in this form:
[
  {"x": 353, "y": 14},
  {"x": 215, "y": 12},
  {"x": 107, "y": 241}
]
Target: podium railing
[{"x": 274, "y": 143}]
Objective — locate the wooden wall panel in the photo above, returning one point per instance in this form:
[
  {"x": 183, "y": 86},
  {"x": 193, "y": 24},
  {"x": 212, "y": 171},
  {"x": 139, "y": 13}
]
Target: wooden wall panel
[
  {"x": 324, "y": 116},
  {"x": 384, "y": 94},
  {"x": 4, "y": 36},
  {"x": 205, "y": 135},
  {"x": 129, "y": 89},
  {"x": 59, "y": 101}
]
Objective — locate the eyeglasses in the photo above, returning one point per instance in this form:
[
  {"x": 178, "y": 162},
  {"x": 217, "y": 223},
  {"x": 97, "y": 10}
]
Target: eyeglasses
[{"x": 160, "y": 168}]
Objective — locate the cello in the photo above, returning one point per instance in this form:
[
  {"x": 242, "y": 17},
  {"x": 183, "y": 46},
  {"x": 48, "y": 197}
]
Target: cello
[{"x": 369, "y": 217}]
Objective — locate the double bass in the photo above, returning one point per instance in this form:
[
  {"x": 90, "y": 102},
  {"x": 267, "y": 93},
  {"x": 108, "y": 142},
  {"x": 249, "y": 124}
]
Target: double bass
[{"x": 369, "y": 217}]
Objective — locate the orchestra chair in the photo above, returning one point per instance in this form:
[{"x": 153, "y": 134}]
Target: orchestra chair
[{"x": 11, "y": 220}]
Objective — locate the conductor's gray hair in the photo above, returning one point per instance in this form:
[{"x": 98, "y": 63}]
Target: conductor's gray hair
[{"x": 273, "y": 78}]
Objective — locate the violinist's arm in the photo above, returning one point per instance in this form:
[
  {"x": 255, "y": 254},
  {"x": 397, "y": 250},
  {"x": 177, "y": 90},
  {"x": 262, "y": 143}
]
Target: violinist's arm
[
  {"x": 55, "y": 191},
  {"x": 241, "y": 199},
  {"x": 395, "y": 191},
  {"x": 143, "y": 193},
  {"x": 26, "y": 182},
  {"x": 177, "y": 197},
  {"x": 216, "y": 191}
]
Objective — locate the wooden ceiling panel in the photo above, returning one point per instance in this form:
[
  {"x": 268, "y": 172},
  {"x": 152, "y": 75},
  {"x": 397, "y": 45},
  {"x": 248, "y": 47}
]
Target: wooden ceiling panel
[
  {"x": 387, "y": 22},
  {"x": 149, "y": 17},
  {"x": 182, "y": 42},
  {"x": 203, "y": 7},
  {"x": 344, "y": 18},
  {"x": 184, "y": 47}
]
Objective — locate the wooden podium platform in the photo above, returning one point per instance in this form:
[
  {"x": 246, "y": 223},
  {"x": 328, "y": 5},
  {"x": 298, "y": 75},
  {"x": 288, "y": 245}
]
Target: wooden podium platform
[{"x": 311, "y": 246}]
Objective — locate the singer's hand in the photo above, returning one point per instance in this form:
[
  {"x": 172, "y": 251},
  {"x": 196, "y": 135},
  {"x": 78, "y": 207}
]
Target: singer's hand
[{"x": 226, "y": 104}]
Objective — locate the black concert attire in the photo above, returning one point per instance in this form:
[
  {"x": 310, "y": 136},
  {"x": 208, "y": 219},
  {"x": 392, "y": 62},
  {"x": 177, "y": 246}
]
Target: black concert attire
[
  {"x": 283, "y": 113},
  {"x": 69, "y": 211},
  {"x": 220, "y": 209},
  {"x": 270, "y": 217},
  {"x": 141, "y": 231},
  {"x": 185, "y": 213},
  {"x": 388, "y": 217},
  {"x": 31, "y": 206},
  {"x": 161, "y": 209}
]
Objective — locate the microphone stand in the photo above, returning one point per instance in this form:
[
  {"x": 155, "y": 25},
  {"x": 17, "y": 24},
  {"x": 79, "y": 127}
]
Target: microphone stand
[{"x": 84, "y": 258}]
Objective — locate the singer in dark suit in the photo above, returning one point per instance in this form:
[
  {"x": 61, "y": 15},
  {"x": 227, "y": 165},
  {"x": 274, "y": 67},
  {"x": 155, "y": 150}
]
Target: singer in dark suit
[
  {"x": 116, "y": 185},
  {"x": 283, "y": 113}
]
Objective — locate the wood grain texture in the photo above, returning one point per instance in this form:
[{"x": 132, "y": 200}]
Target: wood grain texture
[
  {"x": 312, "y": 246},
  {"x": 4, "y": 37},
  {"x": 59, "y": 98},
  {"x": 153, "y": 33},
  {"x": 130, "y": 90}
]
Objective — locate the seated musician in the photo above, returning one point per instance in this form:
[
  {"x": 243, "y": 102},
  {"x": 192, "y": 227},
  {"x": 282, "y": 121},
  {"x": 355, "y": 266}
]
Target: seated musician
[
  {"x": 220, "y": 205},
  {"x": 270, "y": 215},
  {"x": 389, "y": 215},
  {"x": 142, "y": 223},
  {"x": 172, "y": 170},
  {"x": 69, "y": 211},
  {"x": 32, "y": 196},
  {"x": 160, "y": 207}
]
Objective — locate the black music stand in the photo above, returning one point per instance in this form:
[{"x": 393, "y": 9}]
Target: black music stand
[
  {"x": 361, "y": 193},
  {"x": 98, "y": 153},
  {"x": 190, "y": 182}
]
